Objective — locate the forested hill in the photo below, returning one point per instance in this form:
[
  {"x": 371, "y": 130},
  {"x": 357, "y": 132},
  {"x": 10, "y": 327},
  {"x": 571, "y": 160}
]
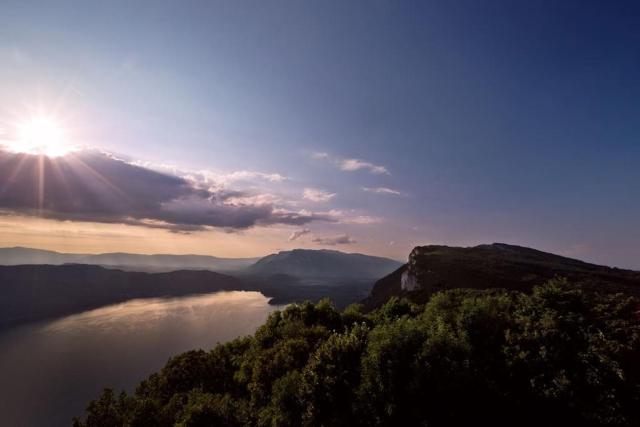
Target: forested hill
[
  {"x": 29, "y": 292},
  {"x": 306, "y": 263},
  {"x": 498, "y": 265},
  {"x": 558, "y": 356}
]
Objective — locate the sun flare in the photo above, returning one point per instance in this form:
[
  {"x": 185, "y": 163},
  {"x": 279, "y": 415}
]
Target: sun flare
[{"x": 41, "y": 135}]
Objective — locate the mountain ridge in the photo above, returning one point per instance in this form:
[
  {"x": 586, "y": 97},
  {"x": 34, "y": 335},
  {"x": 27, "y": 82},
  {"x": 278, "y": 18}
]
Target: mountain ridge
[
  {"x": 19, "y": 255},
  {"x": 163, "y": 262},
  {"x": 41, "y": 283},
  {"x": 432, "y": 268},
  {"x": 307, "y": 263}
]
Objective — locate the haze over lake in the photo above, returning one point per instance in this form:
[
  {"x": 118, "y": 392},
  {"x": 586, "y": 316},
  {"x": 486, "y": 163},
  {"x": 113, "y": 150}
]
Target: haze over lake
[{"x": 50, "y": 368}]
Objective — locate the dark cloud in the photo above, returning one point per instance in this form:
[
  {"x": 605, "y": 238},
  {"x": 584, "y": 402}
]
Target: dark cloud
[
  {"x": 298, "y": 233},
  {"x": 342, "y": 239},
  {"x": 94, "y": 186}
]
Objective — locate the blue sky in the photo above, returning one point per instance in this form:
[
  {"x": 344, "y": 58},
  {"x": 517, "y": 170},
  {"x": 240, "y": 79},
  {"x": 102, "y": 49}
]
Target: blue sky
[{"x": 512, "y": 121}]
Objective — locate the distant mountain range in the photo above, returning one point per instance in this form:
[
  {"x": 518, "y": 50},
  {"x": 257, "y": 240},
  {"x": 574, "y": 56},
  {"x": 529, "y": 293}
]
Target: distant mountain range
[
  {"x": 35, "y": 283},
  {"x": 57, "y": 284},
  {"x": 125, "y": 261},
  {"x": 498, "y": 265},
  {"x": 300, "y": 263},
  {"x": 309, "y": 264}
]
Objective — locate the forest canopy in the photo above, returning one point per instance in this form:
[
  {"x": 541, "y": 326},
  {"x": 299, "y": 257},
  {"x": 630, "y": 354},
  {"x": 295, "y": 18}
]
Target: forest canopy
[{"x": 561, "y": 355}]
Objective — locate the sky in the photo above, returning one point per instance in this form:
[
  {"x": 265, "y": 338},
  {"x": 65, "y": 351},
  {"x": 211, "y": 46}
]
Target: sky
[{"x": 241, "y": 128}]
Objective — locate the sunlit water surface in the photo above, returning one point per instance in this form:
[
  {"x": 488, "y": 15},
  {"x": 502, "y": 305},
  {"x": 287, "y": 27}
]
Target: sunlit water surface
[{"x": 49, "y": 370}]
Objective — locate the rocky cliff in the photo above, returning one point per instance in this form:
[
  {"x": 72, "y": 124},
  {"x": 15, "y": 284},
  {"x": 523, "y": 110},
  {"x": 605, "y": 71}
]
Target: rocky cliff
[{"x": 498, "y": 265}]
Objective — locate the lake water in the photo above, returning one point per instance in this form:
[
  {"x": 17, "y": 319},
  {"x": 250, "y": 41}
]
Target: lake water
[{"x": 50, "y": 370}]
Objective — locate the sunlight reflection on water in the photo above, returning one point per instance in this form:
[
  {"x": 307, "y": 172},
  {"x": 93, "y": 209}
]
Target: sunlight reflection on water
[
  {"x": 55, "y": 367},
  {"x": 146, "y": 313}
]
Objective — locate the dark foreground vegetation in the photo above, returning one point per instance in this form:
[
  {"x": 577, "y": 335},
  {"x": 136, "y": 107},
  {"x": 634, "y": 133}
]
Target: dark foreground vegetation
[
  {"x": 560, "y": 355},
  {"x": 436, "y": 268}
]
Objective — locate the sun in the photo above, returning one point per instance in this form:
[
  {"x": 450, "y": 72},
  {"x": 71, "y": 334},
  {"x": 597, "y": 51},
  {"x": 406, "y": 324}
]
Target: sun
[{"x": 41, "y": 135}]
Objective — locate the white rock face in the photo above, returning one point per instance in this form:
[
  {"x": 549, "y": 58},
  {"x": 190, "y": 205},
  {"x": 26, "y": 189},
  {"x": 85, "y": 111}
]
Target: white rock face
[{"x": 408, "y": 281}]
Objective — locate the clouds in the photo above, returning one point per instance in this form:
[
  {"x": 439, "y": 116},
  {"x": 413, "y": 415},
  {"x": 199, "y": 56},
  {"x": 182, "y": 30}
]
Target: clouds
[
  {"x": 382, "y": 190},
  {"x": 250, "y": 175},
  {"x": 341, "y": 239},
  {"x": 94, "y": 186},
  {"x": 357, "y": 164},
  {"x": 298, "y": 233},
  {"x": 316, "y": 195},
  {"x": 211, "y": 178},
  {"x": 320, "y": 155},
  {"x": 351, "y": 165},
  {"x": 361, "y": 219},
  {"x": 344, "y": 217}
]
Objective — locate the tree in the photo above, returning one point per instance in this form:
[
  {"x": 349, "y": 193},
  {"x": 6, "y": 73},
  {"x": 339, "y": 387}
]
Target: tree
[{"x": 561, "y": 355}]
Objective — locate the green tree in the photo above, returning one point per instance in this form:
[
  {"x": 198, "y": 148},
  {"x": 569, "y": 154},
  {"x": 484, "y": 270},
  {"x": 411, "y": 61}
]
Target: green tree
[
  {"x": 332, "y": 377},
  {"x": 559, "y": 356}
]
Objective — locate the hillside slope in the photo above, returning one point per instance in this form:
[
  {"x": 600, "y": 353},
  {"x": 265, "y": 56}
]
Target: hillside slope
[
  {"x": 558, "y": 356},
  {"x": 30, "y": 292},
  {"x": 434, "y": 268}
]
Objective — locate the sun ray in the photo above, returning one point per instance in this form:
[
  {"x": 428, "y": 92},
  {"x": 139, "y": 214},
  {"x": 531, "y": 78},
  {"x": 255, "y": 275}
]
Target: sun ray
[
  {"x": 15, "y": 171},
  {"x": 40, "y": 185},
  {"x": 60, "y": 171},
  {"x": 117, "y": 191}
]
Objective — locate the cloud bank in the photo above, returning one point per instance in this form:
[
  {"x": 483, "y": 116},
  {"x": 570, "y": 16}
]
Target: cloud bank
[
  {"x": 97, "y": 187},
  {"x": 342, "y": 239}
]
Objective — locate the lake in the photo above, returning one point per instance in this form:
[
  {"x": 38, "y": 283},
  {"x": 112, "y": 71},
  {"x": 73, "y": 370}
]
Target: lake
[{"x": 51, "y": 369}]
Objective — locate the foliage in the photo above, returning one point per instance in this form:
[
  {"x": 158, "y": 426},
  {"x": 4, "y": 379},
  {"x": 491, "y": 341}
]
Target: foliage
[{"x": 561, "y": 355}]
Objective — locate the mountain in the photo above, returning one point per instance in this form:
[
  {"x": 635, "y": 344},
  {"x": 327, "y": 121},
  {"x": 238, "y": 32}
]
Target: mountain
[
  {"x": 20, "y": 255},
  {"x": 163, "y": 262},
  {"x": 299, "y": 263},
  {"x": 498, "y": 265},
  {"x": 36, "y": 284},
  {"x": 125, "y": 261},
  {"x": 30, "y": 292},
  {"x": 325, "y": 264}
]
